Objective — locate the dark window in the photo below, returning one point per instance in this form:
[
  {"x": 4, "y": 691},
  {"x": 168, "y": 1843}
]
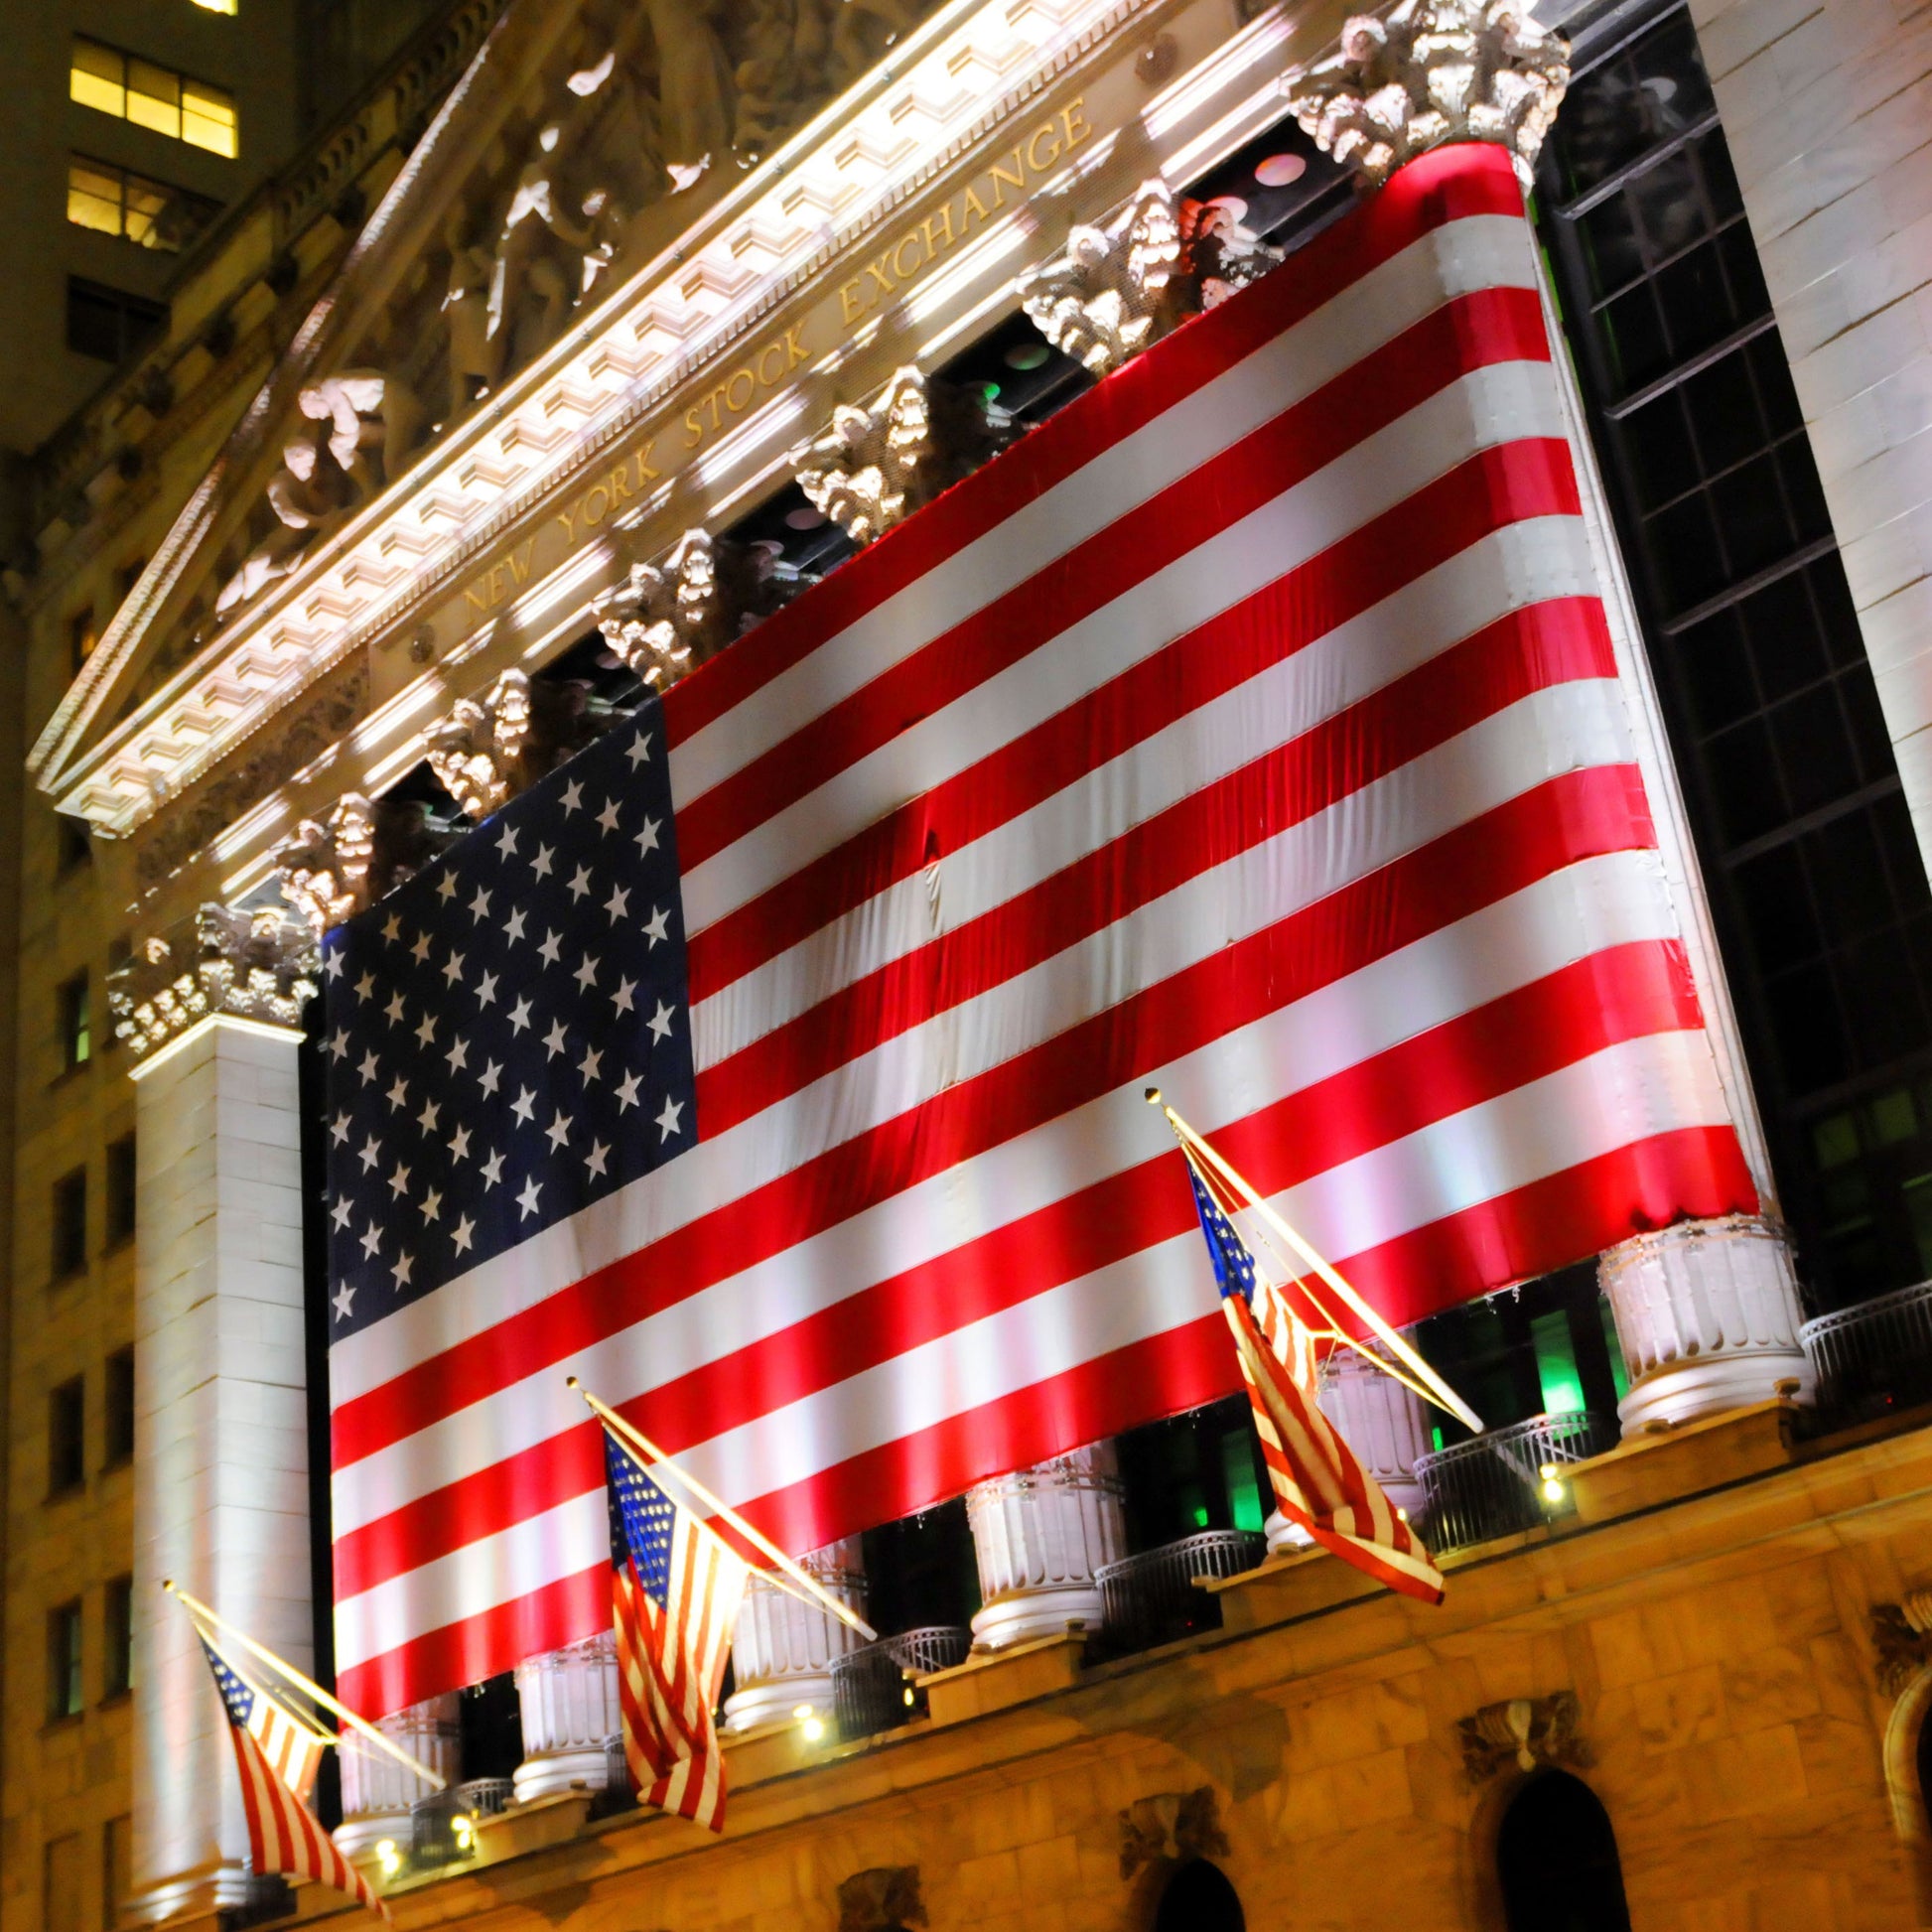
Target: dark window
[
  {"x": 1556, "y": 1857},
  {"x": 1805, "y": 839},
  {"x": 116, "y": 1868},
  {"x": 82, "y": 637},
  {"x": 1198, "y": 1472},
  {"x": 490, "y": 1716},
  {"x": 117, "y": 1637},
  {"x": 921, "y": 1571},
  {"x": 68, "y": 1225},
  {"x": 120, "y": 1191},
  {"x": 74, "y": 845},
  {"x": 67, "y": 1437},
  {"x": 63, "y": 1662},
  {"x": 117, "y": 1421},
  {"x": 1924, "y": 1756},
  {"x": 1198, "y": 1899},
  {"x": 75, "y": 1022},
  {"x": 109, "y": 324}
]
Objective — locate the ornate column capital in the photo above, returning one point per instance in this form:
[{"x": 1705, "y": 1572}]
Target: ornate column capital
[
  {"x": 667, "y": 617},
  {"x": 873, "y": 468},
  {"x": 1122, "y": 286},
  {"x": 338, "y": 865},
  {"x": 490, "y": 749},
  {"x": 1174, "y": 1826},
  {"x": 255, "y": 964},
  {"x": 1431, "y": 72}
]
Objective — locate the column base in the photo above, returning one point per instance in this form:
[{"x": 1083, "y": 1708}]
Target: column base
[
  {"x": 1707, "y": 1315},
  {"x": 582, "y": 1767},
  {"x": 356, "y": 1838},
  {"x": 772, "y": 1699},
  {"x": 1031, "y": 1613}
]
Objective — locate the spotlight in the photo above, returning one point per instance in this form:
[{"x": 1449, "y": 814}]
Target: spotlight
[
  {"x": 388, "y": 1857},
  {"x": 1552, "y": 1483}
]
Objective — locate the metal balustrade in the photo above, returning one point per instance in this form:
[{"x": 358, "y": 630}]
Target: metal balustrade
[
  {"x": 1492, "y": 1484},
  {"x": 435, "y": 1837},
  {"x": 1150, "y": 1598},
  {"x": 1874, "y": 1357},
  {"x": 872, "y": 1687}
]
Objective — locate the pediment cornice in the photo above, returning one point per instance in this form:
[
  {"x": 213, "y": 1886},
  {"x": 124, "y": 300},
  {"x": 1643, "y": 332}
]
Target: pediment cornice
[{"x": 680, "y": 396}]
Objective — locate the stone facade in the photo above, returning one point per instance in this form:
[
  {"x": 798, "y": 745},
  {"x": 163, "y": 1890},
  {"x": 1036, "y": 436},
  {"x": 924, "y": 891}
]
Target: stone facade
[{"x": 1725, "y": 1712}]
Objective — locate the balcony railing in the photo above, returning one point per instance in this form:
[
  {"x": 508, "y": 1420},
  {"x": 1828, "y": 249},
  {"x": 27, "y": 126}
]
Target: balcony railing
[
  {"x": 436, "y": 1837},
  {"x": 1492, "y": 1484},
  {"x": 1150, "y": 1598},
  {"x": 873, "y": 1688},
  {"x": 1874, "y": 1357}
]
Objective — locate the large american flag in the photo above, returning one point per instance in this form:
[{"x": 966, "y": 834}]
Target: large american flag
[
  {"x": 277, "y": 1760},
  {"x": 675, "y": 1594},
  {"x": 1315, "y": 1474},
  {"x": 1252, "y": 727}
]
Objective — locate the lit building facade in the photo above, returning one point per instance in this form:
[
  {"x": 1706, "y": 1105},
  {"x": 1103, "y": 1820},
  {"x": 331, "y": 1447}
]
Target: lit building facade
[{"x": 573, "y": 361}]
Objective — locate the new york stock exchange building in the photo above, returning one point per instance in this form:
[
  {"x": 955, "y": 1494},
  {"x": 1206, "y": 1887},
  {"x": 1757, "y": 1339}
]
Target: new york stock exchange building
[{"x": 717, "y": 635}]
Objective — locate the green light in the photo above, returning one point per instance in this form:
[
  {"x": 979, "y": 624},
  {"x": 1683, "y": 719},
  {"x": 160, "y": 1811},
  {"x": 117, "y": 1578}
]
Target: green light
[{"x": 1556, "y": 1363}]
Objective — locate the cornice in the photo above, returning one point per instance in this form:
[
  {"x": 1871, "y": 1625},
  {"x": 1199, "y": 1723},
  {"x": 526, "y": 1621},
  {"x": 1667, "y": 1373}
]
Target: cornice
[{"x": 747, "y": 265}]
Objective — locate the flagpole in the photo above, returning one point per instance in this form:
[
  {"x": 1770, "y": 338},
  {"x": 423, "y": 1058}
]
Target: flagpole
[
  {"x": 198, "y": 1609},
  {"x": 1439, "y": 1391},
  {"x": 757, "y": 1538}
]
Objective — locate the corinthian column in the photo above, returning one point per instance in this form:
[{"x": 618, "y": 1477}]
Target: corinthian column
[
  {"x": 1039, "y": 1535},
  {"x": 782, "y": 1651},
  {"x": 377, "y": 1793},
  {"x": 1381, "y": 1420},
  {"x": 211, "y": 1014},
  {"x": 571, "y": 1717},
  {"x": 1707, "y": 1317}
]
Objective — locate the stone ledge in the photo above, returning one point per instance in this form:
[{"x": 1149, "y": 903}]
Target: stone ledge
[
  {"x": 531, "y": 1827},
  {"x": 1675, "y": 1464},
  {"x": 1286, "y": 1587},
  {"x": 1002, "y": 1678}
]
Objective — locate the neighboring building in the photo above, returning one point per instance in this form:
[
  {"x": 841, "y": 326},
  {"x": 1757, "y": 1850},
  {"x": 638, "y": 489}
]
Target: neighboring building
[{"x": 392, "y": 502}]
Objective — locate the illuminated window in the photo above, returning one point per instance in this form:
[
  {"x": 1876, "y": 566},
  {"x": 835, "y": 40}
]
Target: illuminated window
[
  {"x": 77, "y": 1024},
  {"x": 216, "y": 6},
  {"x": 114, "y": 201},
  {"x": 152, "y": 97}
]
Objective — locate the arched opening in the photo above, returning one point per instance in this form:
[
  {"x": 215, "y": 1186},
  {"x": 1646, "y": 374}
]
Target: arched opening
[
  {"x": 1556, "y": 1857},
  {"x": 1198, "y": 1899},
  {"x": 1923, "y": 1767}
]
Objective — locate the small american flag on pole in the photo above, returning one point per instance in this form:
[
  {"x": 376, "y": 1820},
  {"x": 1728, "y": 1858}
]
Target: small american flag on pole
[
  {"x": 675, "y": 1588},
  {"x": 277, "y": 1758},
  {"x": 1317, "y": 1480}
]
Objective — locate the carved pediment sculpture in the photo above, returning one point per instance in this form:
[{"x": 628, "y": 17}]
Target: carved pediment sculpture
[
  {"x": 1526, "y": 1732},
  {"x": 362, "y": 851},
  {"x": 1177, "y": 1825},
  {"x": 873, "y": 468},
  {"x": 1431, "y": 72},
  {"x": 306, "y": 496},
  {"x": 492, "y": 747},
  {"x": 1901, "y": 1635},
  {"x": 1120, "y": 287},
  {"x": 258, "y": 964},
  {"x": 667, "y": 617},
  {"x": 373, "y": 423}
]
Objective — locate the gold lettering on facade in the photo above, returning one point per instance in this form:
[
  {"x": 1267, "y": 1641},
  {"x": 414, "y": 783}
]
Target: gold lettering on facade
[
  {"x": 763, "y": 370},
  {"x": 919, "y": 247},
  {"x": 506, "y": 574}
]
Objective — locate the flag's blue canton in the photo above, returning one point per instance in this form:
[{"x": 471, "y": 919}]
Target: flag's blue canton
[
  {"x": 509, "y": 1034},
  {"x": 1234, "y": 1266},
  {"x": 236, "y": 1695},
  {"x": 642, "y": 1520}
]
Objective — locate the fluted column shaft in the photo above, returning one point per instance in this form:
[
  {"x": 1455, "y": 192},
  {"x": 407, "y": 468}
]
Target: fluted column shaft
[
  {"x": 377, "y": 1792},
  {"x": 571, "y": 1715},
  {"x": 782, "y": 1650},
  {"x": 1707, "y": 1315},
  {"x": 1039, "y": 1535}
]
